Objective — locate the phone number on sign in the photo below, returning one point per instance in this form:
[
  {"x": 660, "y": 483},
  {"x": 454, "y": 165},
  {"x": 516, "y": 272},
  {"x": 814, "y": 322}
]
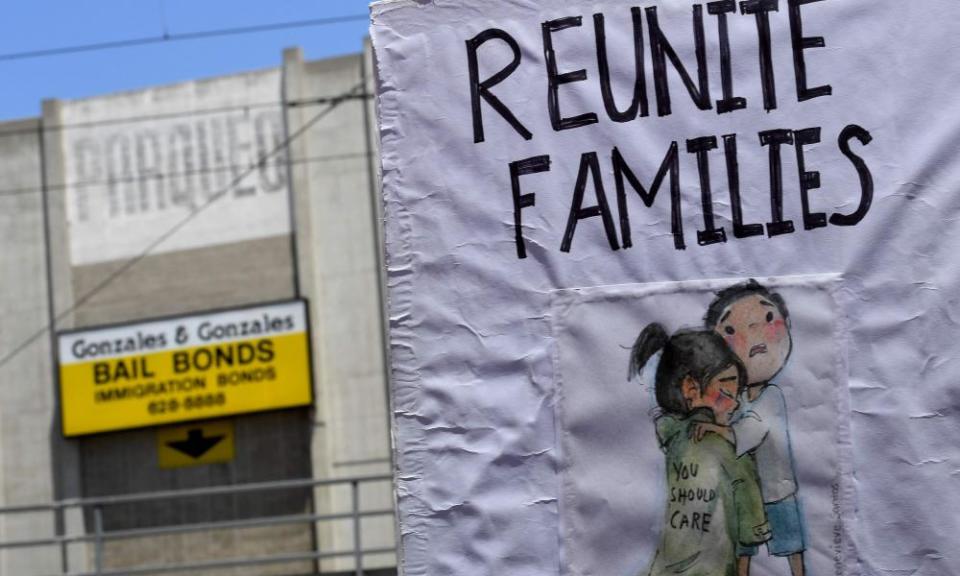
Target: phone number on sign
[{"x": 189, "y": 403}]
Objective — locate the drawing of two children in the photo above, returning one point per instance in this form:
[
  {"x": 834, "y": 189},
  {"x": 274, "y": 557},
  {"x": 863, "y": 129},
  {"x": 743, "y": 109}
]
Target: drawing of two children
[{"x": 723, "y": 429}]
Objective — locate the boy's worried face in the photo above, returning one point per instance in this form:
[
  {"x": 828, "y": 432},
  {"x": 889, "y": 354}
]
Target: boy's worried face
[
  {"x": 756, "y": 331},
  {"x": 719, "y": 395}
]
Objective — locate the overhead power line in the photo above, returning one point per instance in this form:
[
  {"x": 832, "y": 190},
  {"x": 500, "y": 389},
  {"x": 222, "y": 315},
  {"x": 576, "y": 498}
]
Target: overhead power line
[
  {"x": 180, "y": 37},
  {"x": 174, "y": 229},
  {"x": 306, "y": 102},
  {"x": 165, "y": 176}
]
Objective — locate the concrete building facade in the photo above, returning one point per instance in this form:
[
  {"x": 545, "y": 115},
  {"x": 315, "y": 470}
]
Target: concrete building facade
[{"x": 214, "y": 194}]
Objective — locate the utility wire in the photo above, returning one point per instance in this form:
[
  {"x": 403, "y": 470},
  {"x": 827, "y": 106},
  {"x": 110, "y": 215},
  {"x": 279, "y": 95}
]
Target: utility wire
[
  {"x": 180, "y": 37},
  {"x": 165, "y": 176},
  {"x": 129, "y": 264},
  {"x": 162, "y": 5},
  {"x": 319, "y": 101}
]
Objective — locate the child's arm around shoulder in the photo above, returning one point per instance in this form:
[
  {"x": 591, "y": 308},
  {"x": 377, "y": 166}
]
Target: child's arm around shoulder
[
  {"x": 766, "y": 412},
  {"x": 704, "y": 428}
]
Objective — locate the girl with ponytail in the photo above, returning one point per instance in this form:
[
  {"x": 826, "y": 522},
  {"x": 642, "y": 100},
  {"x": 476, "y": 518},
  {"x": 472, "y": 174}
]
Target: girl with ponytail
[
  {"x": 714, "y": 502},
  {"x": 690, "y": 361}
]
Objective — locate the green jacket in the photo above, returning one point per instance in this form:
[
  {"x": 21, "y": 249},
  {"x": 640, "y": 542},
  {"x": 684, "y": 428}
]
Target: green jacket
[{"x": 713, "y": 502}]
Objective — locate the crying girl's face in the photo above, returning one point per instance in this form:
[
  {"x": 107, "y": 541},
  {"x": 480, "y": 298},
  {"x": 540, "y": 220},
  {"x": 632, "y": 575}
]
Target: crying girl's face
[{"x": 720, "y": 395}]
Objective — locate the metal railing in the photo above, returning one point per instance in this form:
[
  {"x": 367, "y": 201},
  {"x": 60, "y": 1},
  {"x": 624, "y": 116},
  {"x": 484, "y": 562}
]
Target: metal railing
[{"x": 99, "y": 536}]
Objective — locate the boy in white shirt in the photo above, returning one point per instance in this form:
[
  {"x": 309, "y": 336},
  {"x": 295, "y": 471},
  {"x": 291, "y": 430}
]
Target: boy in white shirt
[{"x": 755, "y": 323}]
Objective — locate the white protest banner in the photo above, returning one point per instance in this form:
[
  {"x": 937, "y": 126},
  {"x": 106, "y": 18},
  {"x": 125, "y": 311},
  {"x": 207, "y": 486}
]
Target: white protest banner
[{"x": 673, "y": 285}]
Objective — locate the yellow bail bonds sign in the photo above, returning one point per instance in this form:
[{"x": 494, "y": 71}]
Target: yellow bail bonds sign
[{"x": 187, "y": 368}]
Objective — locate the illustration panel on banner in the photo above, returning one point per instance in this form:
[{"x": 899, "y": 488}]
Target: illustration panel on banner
[{"x": 704, "y": 428}]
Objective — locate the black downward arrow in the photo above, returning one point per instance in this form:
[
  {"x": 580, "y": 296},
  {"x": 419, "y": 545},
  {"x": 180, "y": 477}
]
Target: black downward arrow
[{"x": 196, "y": 444}]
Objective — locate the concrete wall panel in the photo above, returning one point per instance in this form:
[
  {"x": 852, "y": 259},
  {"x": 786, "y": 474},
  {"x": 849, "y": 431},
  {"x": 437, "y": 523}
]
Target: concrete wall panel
[{"x": 26, "y": 387}]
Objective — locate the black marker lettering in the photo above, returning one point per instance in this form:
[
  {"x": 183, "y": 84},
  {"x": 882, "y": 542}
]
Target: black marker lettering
[
  {"x": 520, "y": 168},
  {"x": 808, "y": 180},
  {"x": 555, "y": 79},
  {"x": 740, "y": 230},
  {"x": 702, "y": 147},
  {"x": 730, "y": 102},
  {"x": 866, "y": 179},
  {"x": 775, "y": 139},
  {"x": 799, "y": 45},
  {"x": 639, "y": 104},
  {"x": 671, "y": 165},
  {"x": 480, "y": 89},
  {"x": 761, "y": 9},
  {"x": 661, "y": 49},
  {"x": 589, "y": 165}
]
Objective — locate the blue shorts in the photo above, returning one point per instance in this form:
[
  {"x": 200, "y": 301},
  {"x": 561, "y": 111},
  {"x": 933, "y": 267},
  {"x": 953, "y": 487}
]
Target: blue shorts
[{"x": 786, "y": 526}]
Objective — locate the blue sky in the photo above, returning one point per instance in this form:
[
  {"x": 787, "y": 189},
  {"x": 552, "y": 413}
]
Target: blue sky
[{"x": 42, "y": 24}]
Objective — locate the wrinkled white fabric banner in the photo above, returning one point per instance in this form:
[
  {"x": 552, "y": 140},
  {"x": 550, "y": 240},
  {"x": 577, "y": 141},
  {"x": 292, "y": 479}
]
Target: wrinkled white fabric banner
[{"x": 475, "y": 398}]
